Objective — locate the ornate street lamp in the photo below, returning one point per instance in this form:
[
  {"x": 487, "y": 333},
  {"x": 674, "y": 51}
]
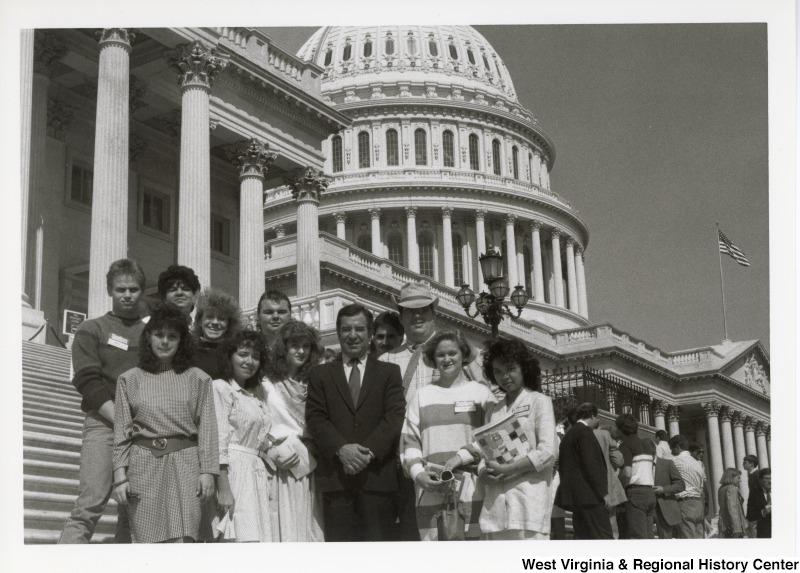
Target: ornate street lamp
[{"x": 491, "y": 306}]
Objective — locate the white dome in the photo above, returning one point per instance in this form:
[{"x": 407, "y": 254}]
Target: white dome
[{"x": 444, "y": 56}]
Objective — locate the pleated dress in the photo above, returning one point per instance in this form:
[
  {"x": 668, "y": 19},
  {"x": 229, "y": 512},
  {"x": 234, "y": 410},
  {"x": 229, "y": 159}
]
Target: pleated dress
[{"x": 165, "y": 404}]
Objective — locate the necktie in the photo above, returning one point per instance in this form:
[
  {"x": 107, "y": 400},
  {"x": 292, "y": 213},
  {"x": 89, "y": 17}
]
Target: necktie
[{"x": 355, "y": 381}]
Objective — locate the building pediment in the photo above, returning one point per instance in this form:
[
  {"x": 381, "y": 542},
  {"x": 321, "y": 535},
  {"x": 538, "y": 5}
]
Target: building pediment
[{"x": 752, "y": 370}]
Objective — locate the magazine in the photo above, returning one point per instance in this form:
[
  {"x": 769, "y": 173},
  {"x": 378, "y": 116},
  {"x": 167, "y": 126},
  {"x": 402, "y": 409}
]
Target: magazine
[{"x": 503, "y": 440}]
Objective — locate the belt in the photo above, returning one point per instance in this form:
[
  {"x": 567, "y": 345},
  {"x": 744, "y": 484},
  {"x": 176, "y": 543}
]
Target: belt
[
  {"x": 638, "y": 485},
  {"x": 254, "y": 452},
  {"x": 688, "y": 498},
  {"x": 163, "y": 446}
]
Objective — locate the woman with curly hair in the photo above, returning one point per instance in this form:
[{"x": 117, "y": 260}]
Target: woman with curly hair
[
  {"x": 244, "y": 424},
  {"x": 217, "y": 319},
  {"x": 732, "y": 520},
  {"x": 165, "y": 434},
  {"x": 296, "y": 508},
  {"x": 518, "y": 500}
]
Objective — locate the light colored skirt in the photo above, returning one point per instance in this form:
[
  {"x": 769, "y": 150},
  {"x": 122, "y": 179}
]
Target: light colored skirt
[{"x": 295, "y": 507}]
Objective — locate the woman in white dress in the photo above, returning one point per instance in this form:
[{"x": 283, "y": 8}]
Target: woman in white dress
[
  {"x": 296, "y": 510},
  {"x": 244, "y": 423}
]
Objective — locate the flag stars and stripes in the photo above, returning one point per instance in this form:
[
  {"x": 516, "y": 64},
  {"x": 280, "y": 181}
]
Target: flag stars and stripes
[{"x": 728, "y": 248}]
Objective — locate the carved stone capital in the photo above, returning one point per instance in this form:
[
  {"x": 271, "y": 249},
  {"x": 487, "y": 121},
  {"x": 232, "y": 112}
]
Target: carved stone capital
[
  {"x": 123, "y": 37},
  {"x": 737, "y": 418},
  {"x": 749, "y": 424},
  {"x": 447, "y": 212},
  {"x": 555, "y": 233},
  {"x": 59, "y": 118},
  {"x": 480, "y": 214},
  {"x": 340, "y": 216},
  {"x": 411, "y": 212},
  {"x": 578, "y": 250},
  {"x": 375, "y": 213},
  {"x": 725, "y": 414},
  {"x": 510, "y": 219},
  {"x": 711, "y": 409},
  {"x": 673, "y": 413},
  {"x": 570, "y": 242},
  {"x": 280, "y": 230},
  {"x": 535, "y": 226},
  {"x": 307, "y": 183},
  {"x": 660, "y": 407},
  {"x": 254, "y": 158},
  {"x": 761, "y": 429},
  {"x": 47, "y": 51},
  {"x": 197, "y": 66}
]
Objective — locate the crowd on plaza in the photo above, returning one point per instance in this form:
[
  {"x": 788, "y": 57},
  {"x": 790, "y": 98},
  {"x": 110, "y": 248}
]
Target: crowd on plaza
[{"x": 206, "y": 429}]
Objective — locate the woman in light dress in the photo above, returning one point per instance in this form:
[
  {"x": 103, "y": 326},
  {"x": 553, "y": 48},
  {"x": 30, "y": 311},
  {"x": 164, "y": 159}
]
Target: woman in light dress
[{"x": 296, "y": 510}]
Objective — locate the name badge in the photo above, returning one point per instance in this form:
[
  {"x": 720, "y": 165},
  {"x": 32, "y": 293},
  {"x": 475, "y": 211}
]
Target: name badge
[
  {"x": 465, "y": 406},
  {"x": 118, "y": 341},
  {"x": 521, "y": 410}
]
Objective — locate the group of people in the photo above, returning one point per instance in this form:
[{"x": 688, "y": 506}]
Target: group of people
[{"x": 206, "y": 429}]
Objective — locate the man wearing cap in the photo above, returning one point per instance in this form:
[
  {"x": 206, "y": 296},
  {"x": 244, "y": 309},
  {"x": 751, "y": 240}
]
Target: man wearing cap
[{"x": 417, "y": 307}]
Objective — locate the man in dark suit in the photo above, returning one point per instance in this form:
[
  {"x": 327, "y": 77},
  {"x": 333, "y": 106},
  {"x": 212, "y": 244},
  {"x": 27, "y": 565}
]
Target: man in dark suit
[
  {"x": 668, "y": 482},
  {"x": 584, "y": 478},
  {"x": 355, "y": 410},
  {"x": 750, "y": 465},
  {"x": 759, "y": 505}
]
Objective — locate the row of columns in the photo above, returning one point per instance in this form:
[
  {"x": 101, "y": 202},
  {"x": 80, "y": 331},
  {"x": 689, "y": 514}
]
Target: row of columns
[
  {"x": 576, "y": 277},
  {"x": 731, "y": 436}
]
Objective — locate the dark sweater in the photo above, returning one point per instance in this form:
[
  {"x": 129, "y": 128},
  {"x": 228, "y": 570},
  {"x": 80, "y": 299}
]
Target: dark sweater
[
  {"x": 207, "y": 357},
  {"x": 103, "y": 348}
]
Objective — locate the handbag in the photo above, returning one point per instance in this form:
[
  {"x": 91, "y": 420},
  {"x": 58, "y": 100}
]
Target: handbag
[{"x": 450, "y": 521}]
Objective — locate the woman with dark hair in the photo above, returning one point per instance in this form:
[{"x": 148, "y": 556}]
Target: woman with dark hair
[
  {"x": 244, "y": 424},
  {"x": 296, "y": 509},
  {"x": 217, "y": 319},
  {"x": 732, "y": 521},
  {"x": 518, "y": 500},
  {"x": 165, "y": 434},
  {"x": 178, "y": 286},
  {"x": 437, "y": 434}
]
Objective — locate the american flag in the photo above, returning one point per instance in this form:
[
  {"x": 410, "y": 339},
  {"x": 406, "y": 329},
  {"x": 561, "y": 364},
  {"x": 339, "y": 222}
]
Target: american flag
[{"x": 728, "y": 248}]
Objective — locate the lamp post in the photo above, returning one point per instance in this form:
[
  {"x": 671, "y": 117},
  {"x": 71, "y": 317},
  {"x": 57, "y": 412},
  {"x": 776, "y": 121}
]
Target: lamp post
[{"x": 491, "y": 306}]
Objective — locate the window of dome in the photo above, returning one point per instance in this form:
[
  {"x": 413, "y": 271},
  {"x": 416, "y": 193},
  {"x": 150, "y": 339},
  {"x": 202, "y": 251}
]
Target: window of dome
[
  {"x": 471, "y": 57},
  {"x": 395, "y": 247},
  {"x": 348, "y": 51},
  {"x": 530, "y": 168},
  {"x": 474, "y": 162},
  {"x": 389, "y": 48},
  {"x": 420, "y": 147},
  {"x": 433, "y": 47},
  {"x": 328, "y": 57},
  {"x": 425, "y": 243},
  {"x": 496, "y": 156},
  {"x": 365, "y": 243},
  {"x": 448, "y": 150},
  {"x": 486, "y": 63},
  {"x": 411, "y": 45},
  {"x": 515, "y": 160},
  {"x": 458, "y": 259},
  {"x": 392, "y": 148},
  {"x": 363, "y": 150},
  {"x": 337, "y": 154},
  {"x": 526, "y": 265},
  {"x": 453, "y": 52},
  {"x": 367, "y": 48}
]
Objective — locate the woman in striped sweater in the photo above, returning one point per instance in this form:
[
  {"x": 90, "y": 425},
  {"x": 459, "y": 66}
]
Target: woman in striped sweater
[{"x": 439, "y": 422}]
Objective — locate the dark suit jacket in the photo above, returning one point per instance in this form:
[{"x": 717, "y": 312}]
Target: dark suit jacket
[
  {"x": 375, "y": 422},
  {"x": 582, "y": 469},
  {"x": 614, "y": 460},
  {"x": 755, "y": 503},
  {"x": 668, "y": 477}
]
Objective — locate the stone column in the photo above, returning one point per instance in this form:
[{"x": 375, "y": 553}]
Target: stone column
[
  {"x": 511, "y": 251},
  {"x": 769, "y": 443},
  {"x": 715, "y": 444},
  {"x": 583, "y": 306},
  {"x": 738, "y": 446},
  {"x": 750, "y": 436},
  {"x": 557, "y": 275},
  {"x": 728, "y": 453},
  {"x": 26, "y": 107},
  {"x": 375, "y": 216},
  {"x": 480, "y": 241},
  {"x": 536, "y": 164},
  {"x": 659, "y": 411},
  {"x": 109, "y": 235},
  {"x": 340, "y": 217},
  {"x": 254, "y": 160},
  {"x": 545, "y": 174},
  {"x": 761, "y": 445},
  {"x": 572, "y": 290},
  {"x": 447, "y": 245},
  {"x": 411, "y": 232},
  {"x": 536, "y": 253},
  {"x": 197, "y": 67},
  {"x": 307, "y": 185},
  {"x": 674, "y": 418}
]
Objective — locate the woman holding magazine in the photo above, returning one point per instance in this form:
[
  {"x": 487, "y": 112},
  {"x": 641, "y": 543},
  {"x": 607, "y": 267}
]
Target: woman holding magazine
[
  {"x": 439, "y": 422},
  {"x": 518, "y": 500},
  {"x": 296, "y": 510}
]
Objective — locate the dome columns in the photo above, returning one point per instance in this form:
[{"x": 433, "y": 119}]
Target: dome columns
[
  {"x": 555, "y": 238},
  {"x": 411, "y": 234},
  {"x": 511, "y": 251},
  {"x": 572, "y": 290},
  {"x": 307, "y": 185},
  {"x": 375, "y": 218},
  {"x": 447, "y": 244}
]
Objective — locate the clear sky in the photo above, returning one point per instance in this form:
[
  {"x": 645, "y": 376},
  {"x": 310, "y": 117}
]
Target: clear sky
[{"x": 660, "y": 131}]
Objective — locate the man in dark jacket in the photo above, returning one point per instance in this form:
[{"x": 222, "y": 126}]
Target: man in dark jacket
[
  {"x": 668, "y": 482},
  {"x": 584, "y": 479},
  {"x": 759, "y": 505},
  {"x": 355, "y": 411}
]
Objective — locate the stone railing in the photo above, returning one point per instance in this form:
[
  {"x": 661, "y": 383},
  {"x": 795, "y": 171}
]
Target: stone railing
[{"x": 686, "y": 358}]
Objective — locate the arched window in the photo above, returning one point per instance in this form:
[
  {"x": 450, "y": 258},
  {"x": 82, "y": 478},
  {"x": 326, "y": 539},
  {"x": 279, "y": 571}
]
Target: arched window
[
  {"x": 368, "y": 48},
  {"x": 389, "y": 47},
  {"x": 425, "y": 244},
  {"x": 474, "y": 162},
  {"x": 365, "y": 242},
  {"x": 337, "y": 153},
  {"x": 458, "y": 259},
  {"x": 453, "y": 52},
  {"x": 496, "y": 156},
  {"x": 411, "y": 45},
  {"x": 395, "y": 245},
  {"x": 530, "y": 168},
  {"x": 515, "y": 161},
  {"x": 486, "y": 63},
  {"x": 526, "y": 263},
  {"x": 348, "y": 51},
  {"x": 420, "y": 147},
  {"x": 433, "y": 48},
  {"x": 363, "y": 150},
  {"x": 470, "y": 57},
  {"x": 448, "y": 149},
  {"x": 328, "y": 57},
  {"x": 392, "y": 149}
]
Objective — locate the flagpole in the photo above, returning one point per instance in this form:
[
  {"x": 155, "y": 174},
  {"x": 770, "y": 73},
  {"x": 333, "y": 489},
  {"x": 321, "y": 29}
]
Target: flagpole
[{"x": 722, "y": 286}]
